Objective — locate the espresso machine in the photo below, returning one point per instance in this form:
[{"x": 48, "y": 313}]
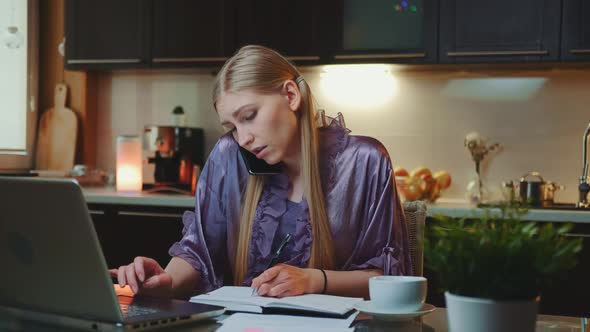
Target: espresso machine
[{"x": 177, "y": 153}]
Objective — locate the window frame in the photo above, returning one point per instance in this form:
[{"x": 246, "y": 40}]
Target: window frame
[{"x": 25, "y": 159}]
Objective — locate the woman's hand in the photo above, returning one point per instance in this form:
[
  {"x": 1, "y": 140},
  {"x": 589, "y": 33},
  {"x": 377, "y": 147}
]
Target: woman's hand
[
  {"x": 285, "y": 280},
  {"x": 144, "y": 275}
]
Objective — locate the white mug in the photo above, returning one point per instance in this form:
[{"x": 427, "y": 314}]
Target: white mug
[{"x": 397, "y": 293}]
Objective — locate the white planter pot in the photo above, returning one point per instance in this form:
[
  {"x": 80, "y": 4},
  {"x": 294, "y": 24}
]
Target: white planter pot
[{"x": 469, "y": 314}]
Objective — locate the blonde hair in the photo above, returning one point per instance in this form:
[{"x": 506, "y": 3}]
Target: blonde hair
[{"x": 263, "y": 70}]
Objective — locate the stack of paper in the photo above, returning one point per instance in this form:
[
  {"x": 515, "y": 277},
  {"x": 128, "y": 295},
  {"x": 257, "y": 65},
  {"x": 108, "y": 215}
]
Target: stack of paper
[{"x": 240, "y": 322}]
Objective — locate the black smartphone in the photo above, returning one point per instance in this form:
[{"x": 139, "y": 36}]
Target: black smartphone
[{"x": 258, "y": 166}]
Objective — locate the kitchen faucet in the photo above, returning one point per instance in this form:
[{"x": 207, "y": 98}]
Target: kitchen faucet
[{"x": 584, "y": 187}]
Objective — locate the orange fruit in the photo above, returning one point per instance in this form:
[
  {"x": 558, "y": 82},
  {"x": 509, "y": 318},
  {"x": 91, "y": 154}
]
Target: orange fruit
[
  {"x": 443, "y": 179},
  {"x": 414, "y": 188},
  {"x": 400, "y": 171},
  {"x": 422, "y": 172}
]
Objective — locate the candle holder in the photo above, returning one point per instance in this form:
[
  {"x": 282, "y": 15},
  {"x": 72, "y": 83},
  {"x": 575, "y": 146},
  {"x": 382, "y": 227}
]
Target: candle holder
[{"x": 129, "y": 169}]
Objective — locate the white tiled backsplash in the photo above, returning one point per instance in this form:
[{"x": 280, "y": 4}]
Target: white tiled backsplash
[{"x": 420, "y": 116}]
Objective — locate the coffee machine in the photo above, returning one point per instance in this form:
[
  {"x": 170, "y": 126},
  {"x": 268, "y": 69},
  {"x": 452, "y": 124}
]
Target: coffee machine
[{"x": 177, "y": 153}]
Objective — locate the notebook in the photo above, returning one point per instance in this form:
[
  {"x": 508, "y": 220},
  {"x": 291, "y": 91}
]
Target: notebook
[
  {"x": 235, "y": 298},
  {"x": 58, "y": 273}
]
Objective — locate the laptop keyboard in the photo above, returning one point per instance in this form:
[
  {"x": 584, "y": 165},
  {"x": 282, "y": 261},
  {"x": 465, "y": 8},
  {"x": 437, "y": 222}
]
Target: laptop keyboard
[
  {"x": 130, "y": 309},
  {"x": 135, "y": 310}
]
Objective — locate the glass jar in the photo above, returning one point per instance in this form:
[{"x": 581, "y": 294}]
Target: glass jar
[{"x": 476, "y": 192}]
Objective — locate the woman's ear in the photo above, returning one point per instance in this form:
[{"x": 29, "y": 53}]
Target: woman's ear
[{"x": 292, "y": 94}]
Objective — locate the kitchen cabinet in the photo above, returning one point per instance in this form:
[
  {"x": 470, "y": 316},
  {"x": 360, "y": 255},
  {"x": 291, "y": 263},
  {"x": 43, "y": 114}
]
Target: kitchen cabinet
[
  {"x": 186, "y": 32},
  {"x": 435, "y": 294},
  {"x": 106, "y": 34},
  {"x": 567, "y": 296},
  {"x": 575, "y": 33},
  {"x": 391, "y": 31},
  {"x": 127, "y": 231},
  {"x": 499, "y": 31},
  {"x": 294, "y": 28},
  {"x": 114, "y": 34}
]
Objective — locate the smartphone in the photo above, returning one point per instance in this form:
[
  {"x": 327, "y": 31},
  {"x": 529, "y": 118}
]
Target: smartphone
[{"x": 257, "y": 166}]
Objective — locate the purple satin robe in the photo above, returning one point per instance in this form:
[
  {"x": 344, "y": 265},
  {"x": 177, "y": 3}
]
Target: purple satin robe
[{"x": 364, "y": 211}]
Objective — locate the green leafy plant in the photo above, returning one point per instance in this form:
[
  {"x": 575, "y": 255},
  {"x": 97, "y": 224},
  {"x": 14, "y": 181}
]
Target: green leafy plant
[{"x": 498, "y": 256}]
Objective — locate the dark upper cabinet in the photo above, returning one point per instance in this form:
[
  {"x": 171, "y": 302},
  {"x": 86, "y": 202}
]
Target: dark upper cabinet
[
  {"x": 293, "y": 28},
  {"x": 112, "y": 34},
  {"x": 106, "y": 34},
  {"x": 575, "y": 34},
  {"x": 499, "y": 31},
  {"x": 191, "y": 32},
  {"x": 395, "y": 31}
]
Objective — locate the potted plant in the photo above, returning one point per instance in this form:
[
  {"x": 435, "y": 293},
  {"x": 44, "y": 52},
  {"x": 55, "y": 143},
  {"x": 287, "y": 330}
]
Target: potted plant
[{"x": 493, "y": 268}]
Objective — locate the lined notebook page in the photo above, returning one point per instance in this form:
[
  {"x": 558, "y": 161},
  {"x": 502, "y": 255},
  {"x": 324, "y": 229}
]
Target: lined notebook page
[
  {"x": 313, "y": 302},
  {"x": 236, "y": 294},
  {"x": 319, "y": 302}
]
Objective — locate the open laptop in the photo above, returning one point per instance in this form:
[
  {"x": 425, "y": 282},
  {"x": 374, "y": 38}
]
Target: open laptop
[{"x": 53, "y": 268}]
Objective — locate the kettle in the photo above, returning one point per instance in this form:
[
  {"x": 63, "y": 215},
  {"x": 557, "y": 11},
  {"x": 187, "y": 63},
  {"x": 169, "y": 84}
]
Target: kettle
[{"x": 537, "y": 192}]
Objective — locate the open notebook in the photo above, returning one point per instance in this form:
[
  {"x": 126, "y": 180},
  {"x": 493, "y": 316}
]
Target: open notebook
[{"x": 240, "y": 299}]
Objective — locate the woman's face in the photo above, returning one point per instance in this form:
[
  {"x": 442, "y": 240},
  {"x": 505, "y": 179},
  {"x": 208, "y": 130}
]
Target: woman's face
[{"x": 264, "y": 124}]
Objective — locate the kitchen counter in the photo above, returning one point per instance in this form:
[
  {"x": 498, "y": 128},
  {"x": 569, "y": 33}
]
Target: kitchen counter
[
  {"x": 108, "y": 195},
  {"x": 460, "y": 209},
  {"x": 447, "y": 207}
]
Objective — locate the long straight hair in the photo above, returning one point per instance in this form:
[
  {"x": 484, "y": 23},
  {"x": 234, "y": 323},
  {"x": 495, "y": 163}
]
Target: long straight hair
[{"x": 263, "y": 70}]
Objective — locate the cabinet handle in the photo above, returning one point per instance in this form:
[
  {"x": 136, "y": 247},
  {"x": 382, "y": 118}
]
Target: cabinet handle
[
  {"x": 150, "y": 214},
  {"x": 494, "y": 53},
  {"x": 380, "y": 56},
  {"x": 105, "y": 61},
  {"x": 303, "y": 58},
  {"x": 576, "y": 235},
  {"x": 580, "y": 51},
  {"x": 204, "y": 59},
  {"x": 97, "y": 212}
]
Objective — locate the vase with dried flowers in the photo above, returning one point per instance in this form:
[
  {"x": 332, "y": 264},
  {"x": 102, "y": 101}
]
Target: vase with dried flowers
[{"x": 478, "y": 147}]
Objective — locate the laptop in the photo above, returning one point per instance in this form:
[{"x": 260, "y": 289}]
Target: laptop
[{"x": 53, "y": 269}]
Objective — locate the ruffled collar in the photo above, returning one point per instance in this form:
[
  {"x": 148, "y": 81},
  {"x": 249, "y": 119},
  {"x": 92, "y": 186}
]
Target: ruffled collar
[
  {"x": 333, "y": 139},
  {"x": 324, "y": 121},
  {"x": 271, "y": 206}
]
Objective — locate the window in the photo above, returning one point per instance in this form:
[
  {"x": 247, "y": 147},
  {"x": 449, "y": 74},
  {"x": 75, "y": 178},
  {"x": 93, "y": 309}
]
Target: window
[{"x": 18, "y": 82}]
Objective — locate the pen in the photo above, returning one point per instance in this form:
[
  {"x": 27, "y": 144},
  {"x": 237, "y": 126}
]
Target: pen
[{"x": 275, "y": 257}]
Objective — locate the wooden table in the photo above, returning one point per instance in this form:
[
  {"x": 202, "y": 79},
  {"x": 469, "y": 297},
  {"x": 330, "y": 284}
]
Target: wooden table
[{"x": 433, "y": 322}]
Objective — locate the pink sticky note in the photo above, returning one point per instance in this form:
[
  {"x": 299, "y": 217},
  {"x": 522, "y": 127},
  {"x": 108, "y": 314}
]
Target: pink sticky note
[{"x": 253, "y": 329}]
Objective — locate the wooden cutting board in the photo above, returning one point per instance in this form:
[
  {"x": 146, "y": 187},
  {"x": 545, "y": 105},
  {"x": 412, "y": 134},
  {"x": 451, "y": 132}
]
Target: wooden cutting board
[{"x": 56, "y": 139}]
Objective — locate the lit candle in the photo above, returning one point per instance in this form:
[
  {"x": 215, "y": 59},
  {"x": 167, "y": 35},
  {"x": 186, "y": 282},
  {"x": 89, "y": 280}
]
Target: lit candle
[{"x": 129, "y": 168}]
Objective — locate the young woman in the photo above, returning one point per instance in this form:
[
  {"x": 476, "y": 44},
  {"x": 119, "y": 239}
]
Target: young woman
[{"x": 335, "y": 196}]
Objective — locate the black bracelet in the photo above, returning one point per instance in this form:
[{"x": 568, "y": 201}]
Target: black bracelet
[{"x": 325, "y": 281}]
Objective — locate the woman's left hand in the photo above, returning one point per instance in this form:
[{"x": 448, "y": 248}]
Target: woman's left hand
[{"x": 284, "y": 280}]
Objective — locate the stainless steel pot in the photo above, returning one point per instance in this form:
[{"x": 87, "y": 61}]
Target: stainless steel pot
[{"x": 538, "y": 192}]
